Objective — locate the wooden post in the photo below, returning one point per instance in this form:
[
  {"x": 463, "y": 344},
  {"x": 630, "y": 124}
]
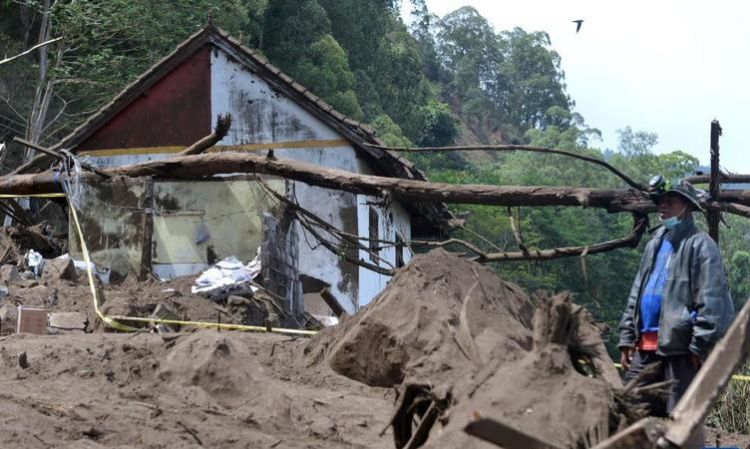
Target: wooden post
[
  {"x": 713, "y": 214},
  {"x": 147, "y": 229}
]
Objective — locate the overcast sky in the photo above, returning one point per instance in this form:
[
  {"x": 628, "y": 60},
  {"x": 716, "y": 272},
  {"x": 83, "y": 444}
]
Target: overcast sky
[{"x": 665, "y": 66}]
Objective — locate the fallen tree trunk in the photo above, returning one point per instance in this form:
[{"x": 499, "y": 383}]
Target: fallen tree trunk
[
  {"x": 723, "y": 177},
  {"x": 207, "y": 165}
]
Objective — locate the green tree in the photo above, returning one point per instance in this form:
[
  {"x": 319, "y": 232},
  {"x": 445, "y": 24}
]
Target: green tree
[
  {"x": 325, "y": 70},
  {"x": 290, "y": 29},
  {"x": 535, "y": 79}
]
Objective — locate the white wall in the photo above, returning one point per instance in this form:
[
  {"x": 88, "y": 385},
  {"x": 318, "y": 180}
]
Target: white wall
[
  {"x": 390, "y": 221},
  {"x": 262, "y": 115}
]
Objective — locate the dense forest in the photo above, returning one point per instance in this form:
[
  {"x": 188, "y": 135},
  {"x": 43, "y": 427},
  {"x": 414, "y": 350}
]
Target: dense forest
[{"x": 420, "y": 80}]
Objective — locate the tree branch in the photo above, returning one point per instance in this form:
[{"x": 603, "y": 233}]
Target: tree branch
[
  {"x": 630, "y": 241},
  {"x": 223, "y": 123},
  {"x": 723, "y": 177},
  {"x": 516, "y": 226},
  {"x": 512, "y": 148},
  {"x": 206, "y": 165},
  {"x": 59, "y": 156},
  {"x": 24, "y": 53}
]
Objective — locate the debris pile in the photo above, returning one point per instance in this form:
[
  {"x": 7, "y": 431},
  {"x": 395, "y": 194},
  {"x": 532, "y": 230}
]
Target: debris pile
[
  {"x": 34, "y": 276},
  {"x": 447, "y": 354},
  {"x": 459, "y": 342}
]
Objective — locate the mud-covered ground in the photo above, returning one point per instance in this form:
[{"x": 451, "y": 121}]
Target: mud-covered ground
[
  {"x": 202, "y": 389},
  {"x": 463, "y": 341}
]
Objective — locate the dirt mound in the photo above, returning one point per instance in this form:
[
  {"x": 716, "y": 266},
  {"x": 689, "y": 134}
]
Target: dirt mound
[
  {"x": 459, "y": 342},
  {"x": 214, "y": 362},
  {"x": 553, "y": 393},
  {"x": 142, "y": 391},
  {"x": 439, "y": 318}
]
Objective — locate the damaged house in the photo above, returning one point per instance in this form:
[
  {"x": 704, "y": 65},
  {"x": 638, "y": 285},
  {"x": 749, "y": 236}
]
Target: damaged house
[{"x": 174, "y": 228}]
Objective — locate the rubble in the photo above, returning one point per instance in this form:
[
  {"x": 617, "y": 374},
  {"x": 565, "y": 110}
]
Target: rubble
[
  {"x": 447, "y": 343},
  {"x": 59, "y": 269},
  {"x": 68, "y": 321}
]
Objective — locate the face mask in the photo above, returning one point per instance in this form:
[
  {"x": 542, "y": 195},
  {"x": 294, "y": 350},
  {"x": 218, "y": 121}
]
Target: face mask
[{"x": 672, "y": 222}]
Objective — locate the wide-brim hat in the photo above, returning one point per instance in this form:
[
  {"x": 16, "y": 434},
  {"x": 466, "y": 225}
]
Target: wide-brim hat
[{"x": 660, "y": 188}]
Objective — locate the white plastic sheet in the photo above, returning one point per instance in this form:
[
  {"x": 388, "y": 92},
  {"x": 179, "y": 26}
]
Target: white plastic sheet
[
  {"x": 35, "y": 262},
  {"x": 228, "y": 277}
]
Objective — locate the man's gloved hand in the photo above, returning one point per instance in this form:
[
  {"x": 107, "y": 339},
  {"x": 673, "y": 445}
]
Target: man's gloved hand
[{"x": 626, "y": 354}]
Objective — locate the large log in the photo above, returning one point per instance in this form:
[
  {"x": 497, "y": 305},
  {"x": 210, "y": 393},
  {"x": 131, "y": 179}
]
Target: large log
[
  {"x": 723, "y": 177},
  {"x": 207, "y": 165}
]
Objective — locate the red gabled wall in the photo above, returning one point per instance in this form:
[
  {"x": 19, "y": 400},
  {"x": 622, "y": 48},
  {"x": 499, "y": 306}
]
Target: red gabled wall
[{"x": 175, "y": 111}]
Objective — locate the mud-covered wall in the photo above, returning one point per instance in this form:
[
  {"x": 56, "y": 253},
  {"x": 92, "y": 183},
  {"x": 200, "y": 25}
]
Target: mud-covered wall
[
  {"x": 111, "y": 216},
  {"x": 197, "y": 223}
]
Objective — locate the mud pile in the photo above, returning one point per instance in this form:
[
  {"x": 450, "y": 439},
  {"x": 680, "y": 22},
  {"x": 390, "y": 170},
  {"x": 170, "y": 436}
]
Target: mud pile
[
  {"x": 459, "y": 342},
  {"x": 557, "y": 392},
  {"x": 440, "y": 318},
  {"x": 202, "y": 389}
]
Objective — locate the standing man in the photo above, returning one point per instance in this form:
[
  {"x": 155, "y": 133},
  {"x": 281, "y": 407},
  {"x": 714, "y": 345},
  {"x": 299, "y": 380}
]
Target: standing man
[{"x": 679, "y": 305}]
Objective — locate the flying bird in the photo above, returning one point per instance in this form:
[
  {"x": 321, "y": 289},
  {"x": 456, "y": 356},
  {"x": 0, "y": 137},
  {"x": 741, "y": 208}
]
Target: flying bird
[{"x": 578, "y": 23}]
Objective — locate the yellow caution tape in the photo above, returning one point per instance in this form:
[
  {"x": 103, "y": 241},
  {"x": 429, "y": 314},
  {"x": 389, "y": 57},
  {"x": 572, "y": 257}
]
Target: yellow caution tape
[
  {"x": 107, "y": 320},
  {"x": 739, "y": 377},
  {"x": 35, "y": 195},
  {"x": 113, "y": 321}
]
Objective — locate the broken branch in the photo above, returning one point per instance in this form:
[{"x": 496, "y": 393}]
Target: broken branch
[
  {"x": 223, "y": 123},
  {"x": 516, "y": 226},
  {"x": 58, "y": 156},
  {"x": 629, "y": 241},
  {"x": 26, "y": 52}
]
